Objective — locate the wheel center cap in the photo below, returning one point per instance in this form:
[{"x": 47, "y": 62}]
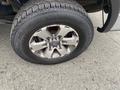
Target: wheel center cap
[{"x": 54, "y": 42}]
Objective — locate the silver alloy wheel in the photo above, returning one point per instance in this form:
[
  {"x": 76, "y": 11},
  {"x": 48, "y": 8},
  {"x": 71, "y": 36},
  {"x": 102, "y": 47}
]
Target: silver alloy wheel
[{"x": 54, "y": 41}]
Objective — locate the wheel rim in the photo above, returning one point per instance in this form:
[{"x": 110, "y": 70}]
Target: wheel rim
[{"x": 54, "y": 41}]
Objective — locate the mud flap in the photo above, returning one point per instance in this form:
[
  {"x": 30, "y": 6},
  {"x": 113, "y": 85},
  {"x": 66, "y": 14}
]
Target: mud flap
[{"x": 112, "y": 16}]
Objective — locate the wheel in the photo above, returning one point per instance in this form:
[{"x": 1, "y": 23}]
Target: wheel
[{"x": 51, "y": 32}]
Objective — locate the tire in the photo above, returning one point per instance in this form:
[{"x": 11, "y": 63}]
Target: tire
[{"x": 35, "y": 15}]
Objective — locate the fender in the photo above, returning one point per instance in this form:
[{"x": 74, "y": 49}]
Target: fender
[{"x": 112, "y": 16}]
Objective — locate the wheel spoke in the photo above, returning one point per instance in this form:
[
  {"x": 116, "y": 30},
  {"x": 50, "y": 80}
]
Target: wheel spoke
[
  {"x": 62, "y": 51},
  {"x": 48, "y": 53},
  {"x": 38, "y": 46},
  {"x": 70, "y": 48},
  {"x": 64, "y": 30},
  {"x": 43, "y": 33},
  {"x": 70, "y": 41}
]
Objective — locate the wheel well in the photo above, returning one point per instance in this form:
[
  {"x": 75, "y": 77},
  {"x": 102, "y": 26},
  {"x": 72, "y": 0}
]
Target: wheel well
[
  {"x": 110, "y": 7},
  {"x": 89, "y": 5}
]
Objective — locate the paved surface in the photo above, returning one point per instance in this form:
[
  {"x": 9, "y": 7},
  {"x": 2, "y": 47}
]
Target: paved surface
[{"x": 96, "y": 69}]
